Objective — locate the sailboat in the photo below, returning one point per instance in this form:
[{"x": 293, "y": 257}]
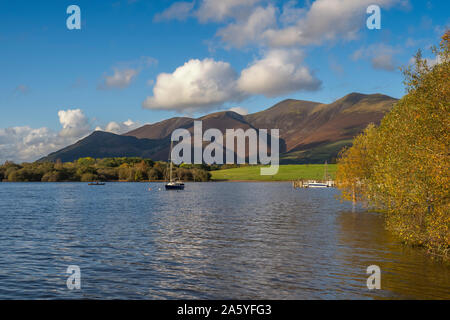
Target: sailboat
[{"x": 173, "y": 185}]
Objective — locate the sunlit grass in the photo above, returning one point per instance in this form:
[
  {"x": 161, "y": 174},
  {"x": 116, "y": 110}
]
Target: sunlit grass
[{"x": 285, "y": 173}]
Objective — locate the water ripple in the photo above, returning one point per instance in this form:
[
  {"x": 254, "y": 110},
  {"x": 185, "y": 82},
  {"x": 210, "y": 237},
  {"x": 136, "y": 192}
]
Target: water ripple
[{"x": 211, "y": 241}]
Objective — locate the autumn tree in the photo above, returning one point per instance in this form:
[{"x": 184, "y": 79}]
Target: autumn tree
[{"x": 402, "y": 166}]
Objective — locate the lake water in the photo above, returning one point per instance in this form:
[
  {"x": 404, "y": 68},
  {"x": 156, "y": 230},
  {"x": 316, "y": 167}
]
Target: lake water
[{"x": 210, "y": 241}]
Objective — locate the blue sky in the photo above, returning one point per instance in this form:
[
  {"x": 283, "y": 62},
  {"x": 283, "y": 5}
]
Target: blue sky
[{"x": 57, "y": 85}]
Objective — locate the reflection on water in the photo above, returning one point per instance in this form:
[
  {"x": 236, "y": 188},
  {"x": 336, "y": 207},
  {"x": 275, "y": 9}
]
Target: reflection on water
[
  {"x": 213, "y": 240},
  {"x": 401, "y": 266}
]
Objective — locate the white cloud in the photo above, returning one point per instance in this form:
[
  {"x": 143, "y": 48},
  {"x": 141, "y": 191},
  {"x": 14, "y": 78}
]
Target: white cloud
[
  {"x": 291, "y": 14},
  {"x": 198, "y": 84},
  {"x": 203, "y": 84},
  {"x": 119, "y": 127},
  {"x": 250, "y": 29},
  {"x": 125, "y": 72},
  {"x": 26, "y": 144},
  {"x": 381, "y": 56},
  {"x": 240, "y": 110},
  {"x": 324, "y": 20},
  {"x": 75, "y": 124},
  {"x": 219, "y": 10},
  {"x": 315, "y": 23},
  {"x": 208, "y": 10},
  {"x": 177, "y": 11},
  {"x": 383, "y": 62},
  {"x": 121, "y": 79},
  {"x": 431, "y": 62},
  {"x": 206, "y": 84},
  {"x": 279, "y": 72}
]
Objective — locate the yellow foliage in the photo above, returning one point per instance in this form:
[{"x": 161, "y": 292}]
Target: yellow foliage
[{"x": 403, "y": 165}]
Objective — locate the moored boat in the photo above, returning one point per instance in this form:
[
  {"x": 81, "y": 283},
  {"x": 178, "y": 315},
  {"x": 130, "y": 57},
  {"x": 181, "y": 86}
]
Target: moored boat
[
  {"x": 96, "y": 184},
  {"x": 173, "y": 185},
  {"x": 316, "y": 185}
]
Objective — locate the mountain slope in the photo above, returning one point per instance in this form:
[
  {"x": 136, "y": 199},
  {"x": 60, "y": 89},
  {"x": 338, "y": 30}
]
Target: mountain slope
[
  {"x": 104, "y": 144},
  {"x": 161, "y": 129},
  {"x": 310, "y": 132}
]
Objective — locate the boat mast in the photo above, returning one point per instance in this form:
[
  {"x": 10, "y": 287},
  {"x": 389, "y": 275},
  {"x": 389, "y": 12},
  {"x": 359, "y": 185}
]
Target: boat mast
[
  {"x": 326, "y": 173},
  {"x": 170, "y": 159}
]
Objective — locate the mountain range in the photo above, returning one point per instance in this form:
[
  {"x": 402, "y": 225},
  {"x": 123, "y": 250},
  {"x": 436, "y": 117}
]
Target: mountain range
[{"x": 310, "y": 132}]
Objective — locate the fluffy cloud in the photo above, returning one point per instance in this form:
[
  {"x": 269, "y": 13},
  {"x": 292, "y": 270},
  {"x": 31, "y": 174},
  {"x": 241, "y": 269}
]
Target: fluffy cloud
[
  {"x": 324, "y": 20},
  {"x": 250, "y": 29},
  {"x": 198, "y": 84},
  {"x": 177, "y": 11},
  {"x": 28, "y": 144},
  {"x": 24, "y": 144},
  {"x": 205, "y": 84},
  {"x": 383, "y": 62},
  {"x": 316, "y": 22},
  {"x": 120, "y": 127},
  {"x": 219, "y": 10},
  {"x": 75, "y": 124},
  {"x": 279, "y": 72},
  {"x": 434, "y": 61},
  {"x": 431, "y": 62},
  {"x": 208, "y": 10},
  {"x": 381, "y": 56},
  {"x": 121, "y": 79}
]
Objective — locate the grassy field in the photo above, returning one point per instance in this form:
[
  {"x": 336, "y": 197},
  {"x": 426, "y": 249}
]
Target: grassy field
[{"x": 285, "y": 173}]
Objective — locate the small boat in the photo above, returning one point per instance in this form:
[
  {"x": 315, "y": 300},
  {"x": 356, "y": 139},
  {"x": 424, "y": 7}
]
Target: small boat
[
  {"x": 326, "y": 183},
  {"x": 173, "y": 185},
  {"x": 96, "y": 184},
  {"x": 316, "y": 185}
]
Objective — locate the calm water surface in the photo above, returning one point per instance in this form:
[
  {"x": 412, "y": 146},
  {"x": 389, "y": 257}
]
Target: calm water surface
[{"x": 211, "y": 241}]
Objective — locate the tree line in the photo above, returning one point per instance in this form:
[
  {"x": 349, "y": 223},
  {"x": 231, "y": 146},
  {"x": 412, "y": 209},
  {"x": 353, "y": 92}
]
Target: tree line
[
  {"x": 131, "y": 169},
  {"x": 402, "y": 166}
]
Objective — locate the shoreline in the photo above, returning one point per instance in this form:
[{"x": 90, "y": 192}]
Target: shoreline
[
  {"x": 268, "y": 181},
  {"x": 148, "y": 181}
]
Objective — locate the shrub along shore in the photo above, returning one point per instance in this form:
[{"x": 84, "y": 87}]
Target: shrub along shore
[
  {"x": 108, "y": 169},
  {"x": 143, "y": 170}
]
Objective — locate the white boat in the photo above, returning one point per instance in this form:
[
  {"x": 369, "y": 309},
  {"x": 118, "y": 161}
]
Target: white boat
[
  {"x": 173, "y": 185},
  {"x": 316, "y": 185},
  {"x": 325, "y": 184}
]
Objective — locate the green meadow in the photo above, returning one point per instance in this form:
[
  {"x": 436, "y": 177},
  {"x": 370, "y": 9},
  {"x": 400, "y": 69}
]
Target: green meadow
[{"x": 285, "y": 173}]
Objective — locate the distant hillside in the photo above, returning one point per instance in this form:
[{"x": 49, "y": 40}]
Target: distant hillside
[
  {"x": 310, "y": 132},
  {"x": 104, "y": 144}
]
